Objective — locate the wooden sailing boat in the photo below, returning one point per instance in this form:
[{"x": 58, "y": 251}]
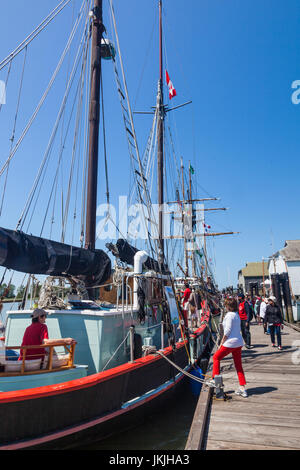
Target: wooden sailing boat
[{"x": 120, "y": 367}]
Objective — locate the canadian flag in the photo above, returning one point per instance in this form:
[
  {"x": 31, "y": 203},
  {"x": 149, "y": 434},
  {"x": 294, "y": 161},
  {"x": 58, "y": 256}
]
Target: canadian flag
[{"x": 172, "y": 91}]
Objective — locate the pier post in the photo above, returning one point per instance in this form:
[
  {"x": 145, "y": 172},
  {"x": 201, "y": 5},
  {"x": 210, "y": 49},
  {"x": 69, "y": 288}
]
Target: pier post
[
  {"x": 131, "y": 331},
  {"x": 162, "y": 335}
]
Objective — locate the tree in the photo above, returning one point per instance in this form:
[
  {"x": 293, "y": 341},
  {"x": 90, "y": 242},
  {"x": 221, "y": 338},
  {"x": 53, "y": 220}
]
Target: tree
[
  {"x": 11, "y": 291},
  {"x": 20, "y": 292}
]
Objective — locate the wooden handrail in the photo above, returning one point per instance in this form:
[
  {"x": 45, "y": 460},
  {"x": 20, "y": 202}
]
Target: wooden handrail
[{"x": 69, "y": 348}]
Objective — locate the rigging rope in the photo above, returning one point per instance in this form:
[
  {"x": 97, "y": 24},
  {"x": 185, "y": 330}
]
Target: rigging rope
[
  {"x": 14, "y": 126},
  {"x": 42, "y": 100},
  {"x": 139, "y": 172},
  {"x": 59, "y": 164},
  {"x": 116, "y": 351},
  {"x": 34, "y": 33},
  {"x": 49, "y": 147},
  {"x": 6, "y": 81},
  {"x": 76, "y": 133}
]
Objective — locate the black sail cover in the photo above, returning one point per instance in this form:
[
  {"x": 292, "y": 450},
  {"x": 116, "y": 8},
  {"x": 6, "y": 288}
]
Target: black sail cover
[
  {"x": 125, "y": 252},
  {"x": 35, "y": 255}
]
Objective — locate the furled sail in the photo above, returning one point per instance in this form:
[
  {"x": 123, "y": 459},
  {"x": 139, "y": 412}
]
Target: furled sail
[
  {"x": 35, "y": 255},
  {"x": 125, "y": 252}
]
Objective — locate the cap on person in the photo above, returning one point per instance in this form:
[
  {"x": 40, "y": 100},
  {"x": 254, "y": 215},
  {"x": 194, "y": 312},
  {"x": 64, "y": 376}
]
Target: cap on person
[
  {"x": 272, "y": 298},
  {"x": 241, "y": 296},
  {"x": 38, "y": 312}
]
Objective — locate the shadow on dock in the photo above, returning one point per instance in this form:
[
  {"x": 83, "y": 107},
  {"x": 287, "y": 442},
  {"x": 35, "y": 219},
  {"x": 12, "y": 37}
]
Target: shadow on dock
[{"x": 255, "y": 391}]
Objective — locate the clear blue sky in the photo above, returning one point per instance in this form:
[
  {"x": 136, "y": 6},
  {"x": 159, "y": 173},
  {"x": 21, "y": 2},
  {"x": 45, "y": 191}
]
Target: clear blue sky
[{"x": 235, "y": 60}]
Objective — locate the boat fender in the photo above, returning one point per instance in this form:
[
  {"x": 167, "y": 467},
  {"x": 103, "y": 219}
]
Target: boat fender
[
  {"x": 141, "y": 301},
  {"x": 138, "y": 346},
  {"x": 2, "y": 356}
]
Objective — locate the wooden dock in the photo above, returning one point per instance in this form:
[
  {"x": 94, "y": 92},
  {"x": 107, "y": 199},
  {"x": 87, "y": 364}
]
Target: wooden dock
[{"x": 269, "y": 419}]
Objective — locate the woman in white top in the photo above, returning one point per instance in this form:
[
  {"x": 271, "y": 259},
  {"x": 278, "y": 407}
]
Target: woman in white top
[{"x": 232, "y": 342}]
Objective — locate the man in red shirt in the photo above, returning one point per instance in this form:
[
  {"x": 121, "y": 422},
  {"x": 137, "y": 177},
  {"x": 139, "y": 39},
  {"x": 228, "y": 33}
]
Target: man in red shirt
[
  {"x": 185, "y": 299},
  {"x": 245, "y": 316},
  {"x": 186, "y": 294},
  {"x": 37, "y": 334}
]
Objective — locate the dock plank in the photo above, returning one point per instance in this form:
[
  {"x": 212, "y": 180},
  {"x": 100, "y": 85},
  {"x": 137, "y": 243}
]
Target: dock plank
[
  {"x": 223, "y": 445},
  {"x": 257, "y": 421},
  {"x": 256, "y": 437}
]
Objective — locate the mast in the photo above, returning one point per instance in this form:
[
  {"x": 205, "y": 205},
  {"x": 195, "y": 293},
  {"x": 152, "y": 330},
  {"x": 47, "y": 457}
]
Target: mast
[
  {"x": 192, "y": 212},
  {"x": 205, "y": 256},
  {"x": 160, "y": 143},
  {"x": 94, "y": 120},
  {"x": 184, "y": 234}
]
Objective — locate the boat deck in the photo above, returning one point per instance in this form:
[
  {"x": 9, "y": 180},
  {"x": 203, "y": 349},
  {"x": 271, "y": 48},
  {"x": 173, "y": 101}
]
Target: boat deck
[{"x": 269, "y": 418}]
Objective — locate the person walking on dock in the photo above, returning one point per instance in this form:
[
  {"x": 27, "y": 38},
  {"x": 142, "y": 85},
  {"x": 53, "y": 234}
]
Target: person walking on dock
[
  {"x": 232, "y": 342},
  {"x": 257, "y": 309},
  {"x": 275, "y": 321},
  {"x": 245, "y": 315},
  {"x": 251, "y": 305},
  {"x": 262, "y": 313}
]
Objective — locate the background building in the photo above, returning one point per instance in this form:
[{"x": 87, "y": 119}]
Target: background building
[
  {"x": 287, "y": 260},
  {"x": 284, "y": 269},
  {"x": 250, "y": 277}
]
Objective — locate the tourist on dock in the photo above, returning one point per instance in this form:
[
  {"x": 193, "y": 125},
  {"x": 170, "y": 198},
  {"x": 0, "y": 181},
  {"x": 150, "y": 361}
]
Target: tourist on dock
[
  {"x": 275, "y": 321},
  {"x": 37, "y": 334},
  {"x": 232, "y": 342},
  {"x": 262, "y": 313},
  {"x": 245, "y": 313},
  {"x": 257, "y": 309},
  {"x": 251, "y": 305}
]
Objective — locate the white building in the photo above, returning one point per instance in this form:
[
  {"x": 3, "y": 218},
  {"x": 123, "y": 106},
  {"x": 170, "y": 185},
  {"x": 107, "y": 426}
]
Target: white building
[{"x": 287, "y": 260}]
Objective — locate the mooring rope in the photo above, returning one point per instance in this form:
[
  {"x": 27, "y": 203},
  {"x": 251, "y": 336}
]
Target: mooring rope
[{"x": 197, "y": 379}]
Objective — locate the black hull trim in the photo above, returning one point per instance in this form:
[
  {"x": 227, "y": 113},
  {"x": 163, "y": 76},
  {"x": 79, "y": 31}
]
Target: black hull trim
[
  {"x": 103, "y": 427},
  {"x": 100, "y": 408}
]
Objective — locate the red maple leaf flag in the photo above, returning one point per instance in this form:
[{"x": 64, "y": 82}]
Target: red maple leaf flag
[{"x": 172, "y": 91}]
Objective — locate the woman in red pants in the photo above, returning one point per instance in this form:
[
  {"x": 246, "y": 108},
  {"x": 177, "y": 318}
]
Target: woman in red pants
[{"x": 232, "y": 342}]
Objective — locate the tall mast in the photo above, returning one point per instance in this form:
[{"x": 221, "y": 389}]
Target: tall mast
[
  {"x": 160, "y": 142},
  {"x": 192, "y": 213},
  {"x": 184, "y": 209},
  {"x": 94, "y": 120}
]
